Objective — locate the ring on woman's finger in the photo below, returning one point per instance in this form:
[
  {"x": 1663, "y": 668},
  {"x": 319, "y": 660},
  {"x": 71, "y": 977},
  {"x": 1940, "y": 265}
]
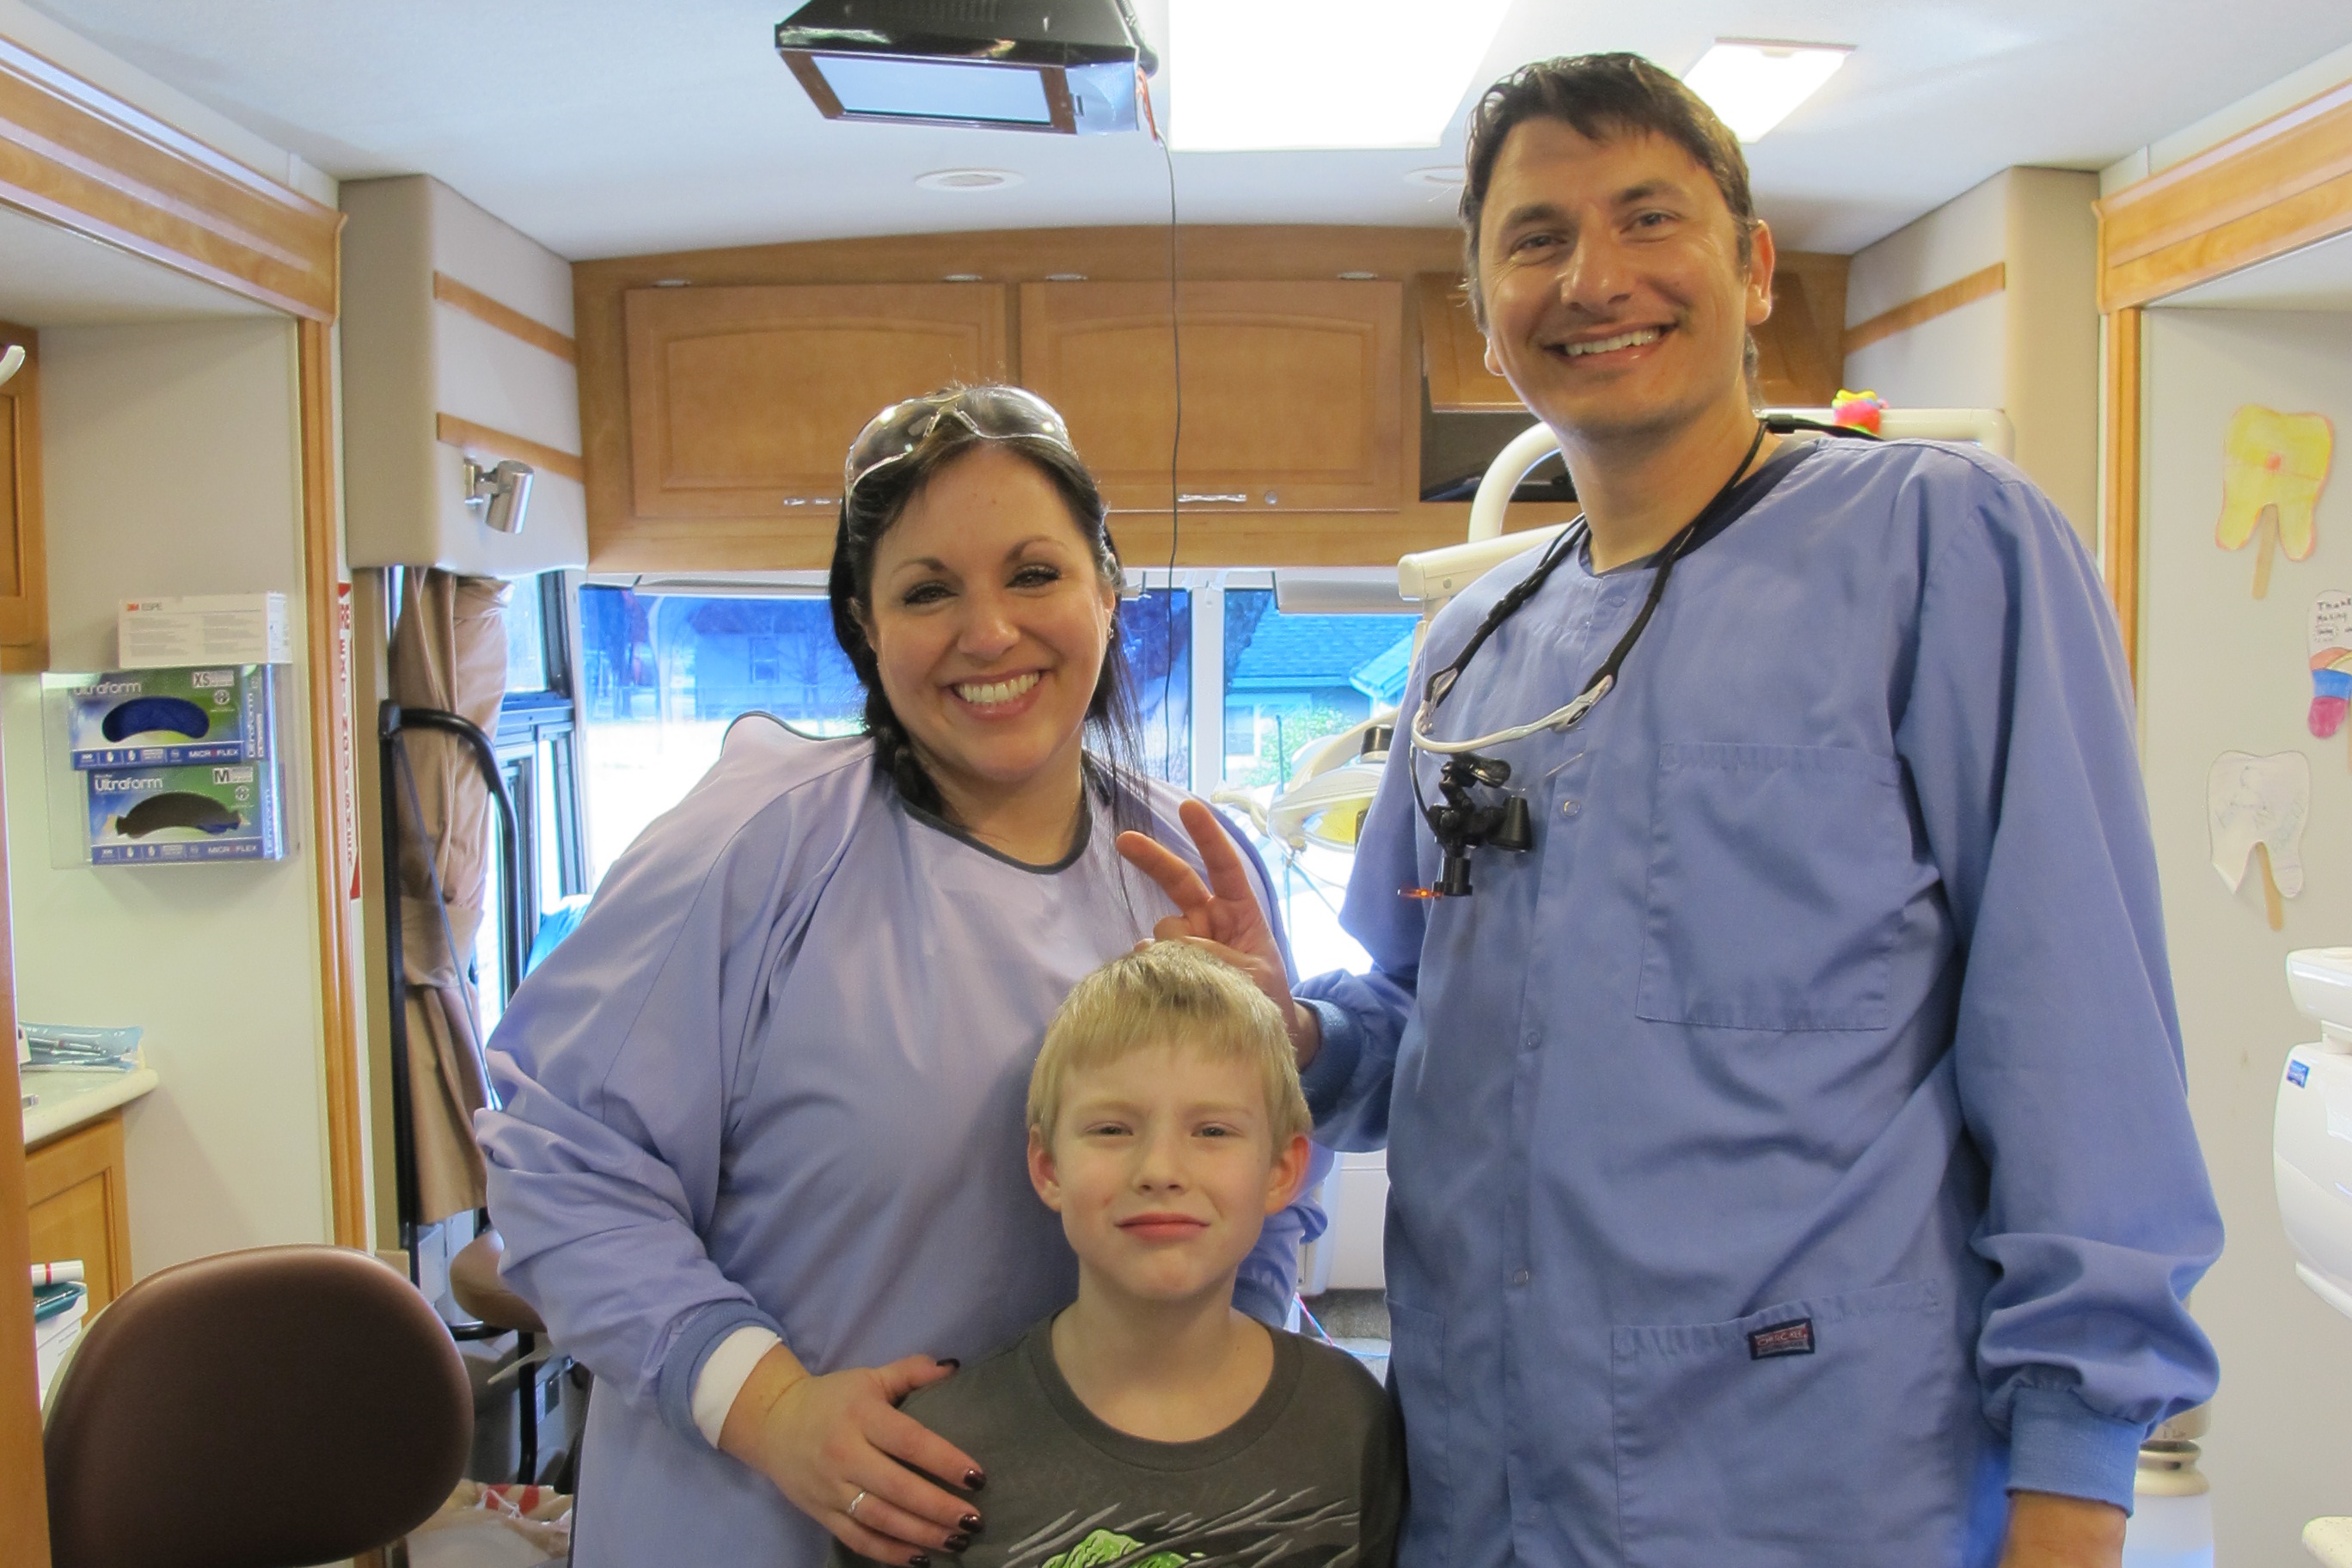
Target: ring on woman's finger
[{"x": 851, "y": 1509}]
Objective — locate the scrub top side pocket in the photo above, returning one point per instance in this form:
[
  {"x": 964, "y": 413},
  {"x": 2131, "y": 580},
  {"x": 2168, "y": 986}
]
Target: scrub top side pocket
[
  {"x": 1777, "y": 883},
  {"x": 1816, "y": 1434}
]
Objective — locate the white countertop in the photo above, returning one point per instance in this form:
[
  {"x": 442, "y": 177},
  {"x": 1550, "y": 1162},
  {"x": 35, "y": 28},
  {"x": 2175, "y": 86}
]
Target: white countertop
[{"x": 70, "y": 1097}]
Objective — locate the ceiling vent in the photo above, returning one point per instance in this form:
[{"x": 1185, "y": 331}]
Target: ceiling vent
[{"x": 1071, "y": 67}]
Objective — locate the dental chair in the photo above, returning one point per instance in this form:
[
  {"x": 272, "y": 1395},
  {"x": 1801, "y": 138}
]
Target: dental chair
[{"x": 282, "y": 1406}]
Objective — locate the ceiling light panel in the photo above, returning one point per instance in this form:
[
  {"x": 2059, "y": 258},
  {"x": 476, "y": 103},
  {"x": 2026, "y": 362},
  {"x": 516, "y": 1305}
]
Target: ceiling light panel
[
  {"x": 1753, "y": 84},
  {"x": 1311, "y": 75}
]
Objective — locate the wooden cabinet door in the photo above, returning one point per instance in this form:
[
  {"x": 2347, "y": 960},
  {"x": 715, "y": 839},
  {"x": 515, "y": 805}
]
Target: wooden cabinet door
[
  {"x": 79, "y": 1207},
  {"x": 1454, "y": 352},
  {"x": 742, "y": 401},
  {"x": 24, "y": 576},
  {"x": 1292, "y": 392}
]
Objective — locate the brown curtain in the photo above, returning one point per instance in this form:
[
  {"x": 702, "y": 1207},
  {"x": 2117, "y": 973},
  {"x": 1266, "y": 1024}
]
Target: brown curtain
[{"x": 450, "y": 651}]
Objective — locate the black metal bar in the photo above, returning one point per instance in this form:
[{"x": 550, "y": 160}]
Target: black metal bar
[
  {"x": 404, "y": 1131},
  {"x": 486, "y": 762},
  {"x": 391, "y": 719},
  {"x": 527, "y": 1419}
]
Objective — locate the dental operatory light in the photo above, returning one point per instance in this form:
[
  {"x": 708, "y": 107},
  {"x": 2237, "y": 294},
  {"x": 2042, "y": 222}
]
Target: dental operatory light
[
  {"x": 1311, "y": 75},
  {"x": 1071, "y": 66},
  {"x": 501, "y": 493},
  {"x": 1753, "y": 84}
]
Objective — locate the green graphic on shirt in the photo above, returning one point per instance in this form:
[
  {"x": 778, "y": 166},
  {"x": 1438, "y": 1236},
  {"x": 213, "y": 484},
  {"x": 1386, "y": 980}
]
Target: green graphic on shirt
[{"x": 1110, "y": 1546}]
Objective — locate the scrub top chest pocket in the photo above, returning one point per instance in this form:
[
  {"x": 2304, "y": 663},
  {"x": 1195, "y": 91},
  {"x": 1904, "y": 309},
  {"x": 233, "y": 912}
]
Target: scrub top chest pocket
[{"x": 1777, "y": 882}]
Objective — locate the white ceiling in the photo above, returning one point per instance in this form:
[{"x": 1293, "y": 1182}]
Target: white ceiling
[
  {"x": 617, "y": 127},
  {"x": 50, "y": 276}
]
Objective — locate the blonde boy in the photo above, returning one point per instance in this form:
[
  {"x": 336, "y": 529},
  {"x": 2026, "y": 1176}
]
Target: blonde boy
[{"x": 1149, "y": 1422}]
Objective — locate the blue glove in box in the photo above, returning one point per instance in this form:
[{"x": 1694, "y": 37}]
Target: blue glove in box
[{"x": 146, "y": 718}]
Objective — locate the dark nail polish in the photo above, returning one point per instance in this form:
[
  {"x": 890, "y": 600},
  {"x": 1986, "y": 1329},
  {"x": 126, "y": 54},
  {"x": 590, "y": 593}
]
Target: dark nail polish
[
  {"x": 950, "y": 1363},
  {"x": 919, "y": 1560},
  {"x": 959, "y": 1543},
  {"x": 973, "y": 1480},
  {"x": 968, "y": 1524}
]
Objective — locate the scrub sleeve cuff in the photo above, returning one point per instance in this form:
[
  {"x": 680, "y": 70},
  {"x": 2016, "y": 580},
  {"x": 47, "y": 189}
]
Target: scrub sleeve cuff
[
  {"x": 1325, "y": 1078},
  {"x": 2058, "y": 1444},
  {"x": 696, "y": 1342}
]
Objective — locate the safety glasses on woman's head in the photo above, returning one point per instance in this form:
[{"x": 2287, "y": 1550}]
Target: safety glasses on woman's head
[{"x": 991, "y": 411}]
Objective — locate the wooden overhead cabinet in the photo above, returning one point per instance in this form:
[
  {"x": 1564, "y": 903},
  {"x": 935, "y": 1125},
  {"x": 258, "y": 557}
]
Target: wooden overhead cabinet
[
  {"x": 24, "y": 576},
  {"x": 741, "y": 401},
  {"x": 1292, "y": 396}
]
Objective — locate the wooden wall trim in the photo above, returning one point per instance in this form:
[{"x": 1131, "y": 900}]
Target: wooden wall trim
[
  {"x": 2280, "y": 185},
  {"x": 504, "y": 318},
  {"x": 452, "y": 431},
  {"x": 2119, "y": 523},
  {"x": 327, "y": 610},
  {"x": 85, "y": 160},
  {"x": 24, "y": 1496},
  {"x": 1981, "y": 284}
]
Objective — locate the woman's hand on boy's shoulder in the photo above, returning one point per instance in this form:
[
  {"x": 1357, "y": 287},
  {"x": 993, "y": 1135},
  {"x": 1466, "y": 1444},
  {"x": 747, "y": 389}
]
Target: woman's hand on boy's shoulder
[
  {"x": 839, "y": 1449},
  {"x": 1223, "y": 915}
]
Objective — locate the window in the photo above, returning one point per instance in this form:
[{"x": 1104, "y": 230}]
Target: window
[
  {"x": 663, "y": 674},
  {"x": 536, "y": 761},
  {"x": 1290, "y": 680}
]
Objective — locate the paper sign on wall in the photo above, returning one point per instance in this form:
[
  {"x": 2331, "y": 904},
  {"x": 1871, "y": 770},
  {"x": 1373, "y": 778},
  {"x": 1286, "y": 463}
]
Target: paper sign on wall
[
  {"x": 2256, "y": 808},
  {"x": 2331, "y": 662},
  {"x": 2273, "y": 467}
]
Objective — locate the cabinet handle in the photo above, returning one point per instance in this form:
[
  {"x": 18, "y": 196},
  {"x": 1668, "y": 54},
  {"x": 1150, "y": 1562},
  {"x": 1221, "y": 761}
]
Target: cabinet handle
[{"x": 1186, "y": 498}]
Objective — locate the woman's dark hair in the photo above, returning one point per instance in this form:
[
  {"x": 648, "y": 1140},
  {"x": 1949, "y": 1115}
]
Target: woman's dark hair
[{"x": 870, "y": 508}]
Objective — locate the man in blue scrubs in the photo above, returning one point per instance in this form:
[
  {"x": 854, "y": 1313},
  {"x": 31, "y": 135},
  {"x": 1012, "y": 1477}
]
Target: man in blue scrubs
[{"x": 1789, "y": 1158}]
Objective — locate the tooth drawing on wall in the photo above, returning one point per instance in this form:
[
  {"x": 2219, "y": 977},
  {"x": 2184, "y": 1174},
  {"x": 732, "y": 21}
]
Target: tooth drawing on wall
[
  {"x": 2273, "y": 467},
  {"x": 2255, "y": 809},
  {"x": 2331, "y": 662}
]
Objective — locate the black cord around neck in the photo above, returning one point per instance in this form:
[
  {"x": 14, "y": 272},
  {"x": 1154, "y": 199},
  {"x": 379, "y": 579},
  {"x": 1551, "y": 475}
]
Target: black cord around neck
[{"x": 1575, "y": 534}]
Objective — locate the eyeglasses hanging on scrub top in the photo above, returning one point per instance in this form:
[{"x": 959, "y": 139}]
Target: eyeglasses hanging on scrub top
[{"x": 992, "y": 412}]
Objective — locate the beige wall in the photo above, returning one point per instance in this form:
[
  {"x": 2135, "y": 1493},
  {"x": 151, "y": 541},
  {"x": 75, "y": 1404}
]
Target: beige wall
[
  {"x": 172, "y": 467},
  {"x": 408, "y": 357},
  {"x": 2031, "y": 350},
  {"x": 2221, "y": 670}
]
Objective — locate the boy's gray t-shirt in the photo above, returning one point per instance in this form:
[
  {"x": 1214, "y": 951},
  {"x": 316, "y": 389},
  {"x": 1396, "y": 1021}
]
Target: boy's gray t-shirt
[{"x": 1311, "y": 1477}]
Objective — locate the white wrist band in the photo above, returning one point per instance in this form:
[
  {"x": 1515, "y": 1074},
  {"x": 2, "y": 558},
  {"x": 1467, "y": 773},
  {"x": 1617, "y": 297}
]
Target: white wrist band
[{"x": 723, "y": 1375}]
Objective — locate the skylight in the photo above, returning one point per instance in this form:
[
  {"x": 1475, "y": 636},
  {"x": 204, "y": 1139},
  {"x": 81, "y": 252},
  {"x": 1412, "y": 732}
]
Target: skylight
[
  {"x": 1305, "y": 75},
  {"x": 1753, "y": 85}
]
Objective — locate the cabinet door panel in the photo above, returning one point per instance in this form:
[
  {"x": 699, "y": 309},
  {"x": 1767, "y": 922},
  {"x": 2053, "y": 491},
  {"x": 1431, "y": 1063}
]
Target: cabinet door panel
[
  {"x": 743, "y": 401},
  {"x": 1290, "y": 390},
  {"x": 77, "y": 1207},
  {"x": 24, "y": 579}
]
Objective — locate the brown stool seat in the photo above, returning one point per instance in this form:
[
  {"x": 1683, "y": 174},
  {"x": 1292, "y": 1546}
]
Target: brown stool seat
[
  {"x": 282, "y": 1404},
  {"x": 474, "y": 1283}
]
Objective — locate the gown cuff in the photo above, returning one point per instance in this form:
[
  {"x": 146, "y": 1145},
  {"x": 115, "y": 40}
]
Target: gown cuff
[
  {"x": 1325, "y": 1078},
  {"x": 701, "y": 1337},
  {"x": 2058, "y": 1444}
]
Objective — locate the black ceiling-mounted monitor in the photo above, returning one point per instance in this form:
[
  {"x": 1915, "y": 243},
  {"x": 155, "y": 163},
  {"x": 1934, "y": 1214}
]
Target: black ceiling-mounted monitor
[{"x": 1071, "y": 67}]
